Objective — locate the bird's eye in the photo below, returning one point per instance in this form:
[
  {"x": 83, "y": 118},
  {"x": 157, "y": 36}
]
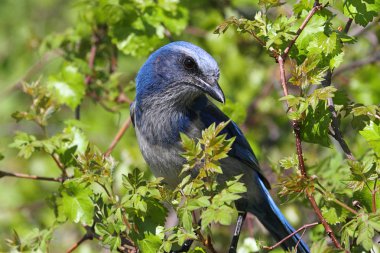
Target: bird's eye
[{"x": 189, "y": 63}]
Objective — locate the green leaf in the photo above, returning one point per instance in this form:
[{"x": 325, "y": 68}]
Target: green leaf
[
  {"x": 289, "y": 162},
  {"x": 26, "y": 144},
  {"x": 321, "y": 247},
  {"x": 365, "y": 197},
  {"x": 334, "y": 215},
  {"x": 362, "y": 11},
  {"x": 78, "y": 139},
  {"x": 68, "y": 86},
  {"x": 315, "y": 127},
  {"x": 75, "y": 203},
  {"x": 372, "y": 135},
  {"x": 315, "y": 26},
  {"x": 35, "y": 241},
  {"x": 150, "y": 243},
  {"x": 187, "y": 220},
  {"x": 197, "y": 250}
]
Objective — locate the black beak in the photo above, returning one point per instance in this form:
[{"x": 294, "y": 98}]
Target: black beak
[{"x": 212, "y": 88}]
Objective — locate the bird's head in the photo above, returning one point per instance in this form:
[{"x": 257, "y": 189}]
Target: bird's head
[{"x": 179, "y": 71}]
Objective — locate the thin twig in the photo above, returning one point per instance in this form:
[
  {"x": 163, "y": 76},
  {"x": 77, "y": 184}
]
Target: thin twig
[
  {"x": 304, "y": 227},
  {"x": 335, "y": 124},
  {"x": 91, "y": 61},
  {"x": 85, "y": 237},
  {"x": 338, "y": 202},
  {"x": 33, "y": 177},
  {"x": 324, "y": 223},
  {"x": 113, "y": 59},
  {"x": 317, "y": 6},
  {"x": 59, "y": 164},
  {"x": 118, "y": 136},
  {"x": 261, "y": 42},
  {"x": 374, "y": 191},
  {"x": 373, "y": 58},
  {"x": 335, "y": 200},
  {"x": 91, "y": 58},
  {"x": 367, "y": 28},
  {"x": 206, "y": 242},
  {"x": 348, "y": 25}
]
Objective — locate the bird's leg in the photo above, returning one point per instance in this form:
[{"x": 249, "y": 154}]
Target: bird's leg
[{"x": 239, "y": 225}]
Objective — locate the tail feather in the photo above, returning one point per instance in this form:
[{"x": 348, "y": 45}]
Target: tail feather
[{"x": 275, "y": 222}]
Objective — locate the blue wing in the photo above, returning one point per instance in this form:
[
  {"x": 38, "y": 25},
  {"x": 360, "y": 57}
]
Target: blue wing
[{"x": 208, "y": 114}]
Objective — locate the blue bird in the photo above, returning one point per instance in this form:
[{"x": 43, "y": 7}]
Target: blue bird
[{"x": 171, "y": 89}]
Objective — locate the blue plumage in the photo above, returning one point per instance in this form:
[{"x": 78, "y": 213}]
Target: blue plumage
[{"x": 171, "y": 98}]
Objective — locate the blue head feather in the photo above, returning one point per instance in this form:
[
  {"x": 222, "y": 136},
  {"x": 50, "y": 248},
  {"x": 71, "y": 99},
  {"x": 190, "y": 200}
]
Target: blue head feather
[{"x": 164, "y": 72}]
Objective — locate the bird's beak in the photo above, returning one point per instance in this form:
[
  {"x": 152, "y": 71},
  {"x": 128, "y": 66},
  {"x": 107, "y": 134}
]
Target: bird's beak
[{"x": 213, "y": 89}]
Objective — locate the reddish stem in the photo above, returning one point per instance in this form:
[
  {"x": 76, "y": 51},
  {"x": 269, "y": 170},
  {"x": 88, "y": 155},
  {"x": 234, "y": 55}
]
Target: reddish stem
[
  {"x": 78, "y": 243},
  {"x": 33, "y": 177},
  {"x": 374, "y": 191},
  {"x": 317, "y": 6},
  {"x": 290, "y": 235},
  {"x": 118, "y": 136},
  {"x": 296, "y": 128}
]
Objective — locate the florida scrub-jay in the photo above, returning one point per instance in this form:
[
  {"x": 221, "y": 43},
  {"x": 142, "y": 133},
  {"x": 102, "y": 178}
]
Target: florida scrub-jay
[{"x": 171, "y": 89}]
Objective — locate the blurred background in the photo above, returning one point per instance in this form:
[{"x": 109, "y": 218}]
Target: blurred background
[{"x": 249, "y": 78}]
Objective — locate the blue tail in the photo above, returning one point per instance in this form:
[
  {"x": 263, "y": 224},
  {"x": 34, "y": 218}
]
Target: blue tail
[{"x": 274, "y": 221}]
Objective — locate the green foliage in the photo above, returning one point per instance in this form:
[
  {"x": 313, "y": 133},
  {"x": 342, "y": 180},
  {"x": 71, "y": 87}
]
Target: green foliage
[
  {"x": 36, "y": 241},
  {"x": 372, "y": 135},
  {"x": 68, "y": 86},
  {"x": 88, "y": 54},
  {"x": 75, "y": 203},
  {"x": 43, "y": 106},
  {"x": 362, "y": 12},
  {"x": 363, "y": 228}
]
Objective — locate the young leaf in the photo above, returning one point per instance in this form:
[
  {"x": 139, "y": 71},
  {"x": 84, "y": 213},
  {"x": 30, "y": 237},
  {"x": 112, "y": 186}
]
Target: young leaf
[
  {"x": 315, "y": 127},
  {"x": 372, "y": 135},
  {"x": 75, "y": 203},
  {"x": 68, "y": 86},
  {"x": 150, "y": 244}
]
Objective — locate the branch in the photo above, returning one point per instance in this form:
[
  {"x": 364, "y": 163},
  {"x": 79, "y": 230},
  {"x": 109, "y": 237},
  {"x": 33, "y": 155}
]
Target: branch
[
  {"x": 335, "y": 125},
  {"x": 317, "y": 6},
  {"x": 324, "y": 223},
  {"x": 206, "y": 241},
  {"x": 113, "y": 59},
  {"x": 348, "y": 25},
  {"x": 357, "y": 64},
  {"x": 297, "y": 132},
  {"x": 59, "y": 164},
  {"x": 91, "y": 61},
  {"x": 257, "y": 38},
  {"x": 334, "y": 120},
  {"x": 374, "y": 197},
  {"x": 304, "y": 227},
  {"x": 86, "y": 237},
  {"x": 301, "y": 162},
  {"x": 33, "y": 177},
  {"x": 367, "y": 28},
  {"x": 118, "y": 136}
]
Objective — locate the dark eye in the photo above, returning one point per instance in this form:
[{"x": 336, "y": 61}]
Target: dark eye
[{"x": 189, "y": 63}]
